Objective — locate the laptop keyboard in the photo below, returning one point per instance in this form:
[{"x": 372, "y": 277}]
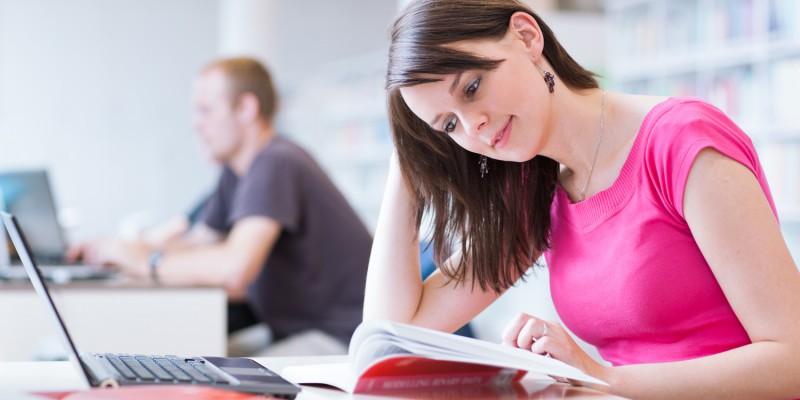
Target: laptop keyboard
[{"x": 163, "y": 369}]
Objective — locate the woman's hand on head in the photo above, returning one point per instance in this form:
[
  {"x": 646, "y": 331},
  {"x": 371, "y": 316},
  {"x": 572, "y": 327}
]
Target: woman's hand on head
[{"x": 549, "y": 338}]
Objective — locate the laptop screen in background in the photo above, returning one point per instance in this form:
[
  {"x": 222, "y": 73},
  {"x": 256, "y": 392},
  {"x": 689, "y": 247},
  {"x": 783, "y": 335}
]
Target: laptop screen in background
[{"x": 27, "y": 194}]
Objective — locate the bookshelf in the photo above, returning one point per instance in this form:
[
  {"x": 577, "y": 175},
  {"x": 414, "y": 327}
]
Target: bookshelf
[
  {"x": 338, "y": 113},
  {"x": 741, "y": 55}
]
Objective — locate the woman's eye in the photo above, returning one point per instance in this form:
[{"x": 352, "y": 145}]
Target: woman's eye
[
  {"x": 473, "y": 87},
  {"x": 450, "y": 125}
]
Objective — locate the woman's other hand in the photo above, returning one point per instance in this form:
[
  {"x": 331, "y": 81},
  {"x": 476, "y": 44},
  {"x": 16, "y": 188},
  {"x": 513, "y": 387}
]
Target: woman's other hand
[{"x": 550, "y": 338}]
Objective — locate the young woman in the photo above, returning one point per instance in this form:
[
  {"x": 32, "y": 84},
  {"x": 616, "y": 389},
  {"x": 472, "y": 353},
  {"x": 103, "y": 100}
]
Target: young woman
[{"x": 653, "y": 214}]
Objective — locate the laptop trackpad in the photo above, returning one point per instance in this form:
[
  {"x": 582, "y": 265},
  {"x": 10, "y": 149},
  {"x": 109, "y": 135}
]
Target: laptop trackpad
[{"x": 245, "y": 369}]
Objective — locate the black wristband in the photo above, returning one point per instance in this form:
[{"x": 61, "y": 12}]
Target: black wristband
[{"x": 155, "y": 259}]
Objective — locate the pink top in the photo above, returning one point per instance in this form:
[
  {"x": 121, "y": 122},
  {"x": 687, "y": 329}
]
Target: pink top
[{"x": 625, "y": 272}]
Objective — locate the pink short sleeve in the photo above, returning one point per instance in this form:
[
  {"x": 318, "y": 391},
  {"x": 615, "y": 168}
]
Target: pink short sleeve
[{"x": 682, "y": 133}]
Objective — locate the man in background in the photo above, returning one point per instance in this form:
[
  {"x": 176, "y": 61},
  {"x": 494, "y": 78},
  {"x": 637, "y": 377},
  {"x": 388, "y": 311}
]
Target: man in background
[{"x": 275, "y": 233}]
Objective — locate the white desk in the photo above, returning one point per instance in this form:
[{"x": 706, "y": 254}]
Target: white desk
[
  {"x": 19, "y": 378},
  {"x": 113, "y": 316}
]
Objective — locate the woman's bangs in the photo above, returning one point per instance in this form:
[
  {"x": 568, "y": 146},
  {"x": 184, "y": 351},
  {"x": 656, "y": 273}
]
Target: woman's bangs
[{"x": 415, "y": 65}]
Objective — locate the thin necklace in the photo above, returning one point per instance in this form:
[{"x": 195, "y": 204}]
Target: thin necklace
[{"x": 597, "y": 147}]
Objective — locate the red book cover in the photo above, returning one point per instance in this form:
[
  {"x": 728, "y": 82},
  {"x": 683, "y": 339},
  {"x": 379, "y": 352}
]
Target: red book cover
[
  {"x": 413, "y": 373},
  {"x": 387, "y": 355}
]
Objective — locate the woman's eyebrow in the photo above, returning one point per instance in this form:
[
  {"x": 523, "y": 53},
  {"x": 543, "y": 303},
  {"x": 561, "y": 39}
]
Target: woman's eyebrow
[
  {"x": 451, "y": 90},
  {"x": 455, "y": 82}
]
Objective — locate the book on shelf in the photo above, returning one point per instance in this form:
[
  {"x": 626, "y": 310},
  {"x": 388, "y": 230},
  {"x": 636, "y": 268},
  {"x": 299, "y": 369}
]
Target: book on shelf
[{"x": 387, "y": 355}]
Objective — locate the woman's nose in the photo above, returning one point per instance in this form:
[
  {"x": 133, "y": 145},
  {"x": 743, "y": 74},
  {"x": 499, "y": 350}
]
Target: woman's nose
[{"x": 474, "y": 124}]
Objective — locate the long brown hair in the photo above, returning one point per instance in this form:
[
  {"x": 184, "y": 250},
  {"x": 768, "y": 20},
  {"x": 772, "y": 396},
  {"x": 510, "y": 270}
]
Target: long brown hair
[{"x": 502, "y": 222}]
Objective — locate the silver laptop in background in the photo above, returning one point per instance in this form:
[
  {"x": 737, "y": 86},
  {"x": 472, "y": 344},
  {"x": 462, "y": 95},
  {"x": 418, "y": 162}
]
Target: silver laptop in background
[
  {"x": 28, "y": 194},
  {"x": 120, "y": 369}
]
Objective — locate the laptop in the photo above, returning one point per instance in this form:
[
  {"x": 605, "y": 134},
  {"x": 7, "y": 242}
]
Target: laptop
[
  {"x": 28, "y": 195},
  {"x": 120, "y": 369}
]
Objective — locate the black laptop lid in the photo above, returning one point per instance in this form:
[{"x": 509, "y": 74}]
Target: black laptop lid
[
  {"x": 251, "y": 376},
  {"x": 29, "y": 262}
]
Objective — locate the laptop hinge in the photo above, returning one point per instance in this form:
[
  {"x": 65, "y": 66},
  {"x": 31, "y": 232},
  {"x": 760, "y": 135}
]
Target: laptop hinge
[{"x": 98, "y": 373}]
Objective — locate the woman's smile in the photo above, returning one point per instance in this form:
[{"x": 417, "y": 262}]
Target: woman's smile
[{"x": 501, "y": 137}]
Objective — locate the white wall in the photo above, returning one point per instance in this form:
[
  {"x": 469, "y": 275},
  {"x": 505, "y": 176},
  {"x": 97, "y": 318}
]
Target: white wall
[
  {"x": 317, "y": 32},
  {"x": 99, "y": 92},
  {"x": 296, "y": 38}
]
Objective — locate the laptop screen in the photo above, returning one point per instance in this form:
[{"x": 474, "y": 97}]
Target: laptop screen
[
  {"x": 27, "y": 195},
  {"x": 28, "y": 261}
]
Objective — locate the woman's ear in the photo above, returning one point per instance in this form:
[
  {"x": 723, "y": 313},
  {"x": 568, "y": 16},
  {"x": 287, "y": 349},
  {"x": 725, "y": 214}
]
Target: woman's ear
[{"x": 525, "y": 28}]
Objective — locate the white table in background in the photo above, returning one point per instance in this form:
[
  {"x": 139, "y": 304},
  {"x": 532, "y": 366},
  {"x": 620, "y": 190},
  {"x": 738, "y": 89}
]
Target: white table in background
[{"x": 113, "y": 316}]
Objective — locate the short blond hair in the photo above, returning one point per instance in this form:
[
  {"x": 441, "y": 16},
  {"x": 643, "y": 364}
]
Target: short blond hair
[{"x": 248, "y": 75}]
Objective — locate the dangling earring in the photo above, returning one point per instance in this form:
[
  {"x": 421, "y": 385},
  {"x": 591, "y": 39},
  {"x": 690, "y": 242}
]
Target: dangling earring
[
  {"x": 548, "y": 78},
  {"x": 484, "y": 167}
]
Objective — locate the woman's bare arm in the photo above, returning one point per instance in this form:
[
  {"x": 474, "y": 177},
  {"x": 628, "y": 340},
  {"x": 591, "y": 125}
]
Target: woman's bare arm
[{"x": 395, "y": 290}]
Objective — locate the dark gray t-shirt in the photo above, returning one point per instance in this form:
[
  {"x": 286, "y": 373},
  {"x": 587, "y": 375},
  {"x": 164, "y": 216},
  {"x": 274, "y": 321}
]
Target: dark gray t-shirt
[{"x": 314, "y": 276}]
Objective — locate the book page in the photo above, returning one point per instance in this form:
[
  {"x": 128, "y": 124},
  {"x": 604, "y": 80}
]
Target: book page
[
  {"x": 375, "y": 343},
  {"x": 374, "y": 348},
  {"x": 445, "y": 346}
]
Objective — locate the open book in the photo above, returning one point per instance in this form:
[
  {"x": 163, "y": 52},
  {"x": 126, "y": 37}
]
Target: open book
[{"x": 392, "y": 356}]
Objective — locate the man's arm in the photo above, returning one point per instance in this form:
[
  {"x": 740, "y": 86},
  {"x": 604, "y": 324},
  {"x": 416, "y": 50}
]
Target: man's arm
[
  {"x": 166, "y": 233},
  {"x": 198, "y": 234},
  {"x": 202, "y": 257},
  {"x": 232, "y": 263}
]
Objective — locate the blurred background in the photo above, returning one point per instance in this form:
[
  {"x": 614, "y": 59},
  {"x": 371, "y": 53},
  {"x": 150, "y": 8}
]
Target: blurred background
[{"x": 98, "y": 92}]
